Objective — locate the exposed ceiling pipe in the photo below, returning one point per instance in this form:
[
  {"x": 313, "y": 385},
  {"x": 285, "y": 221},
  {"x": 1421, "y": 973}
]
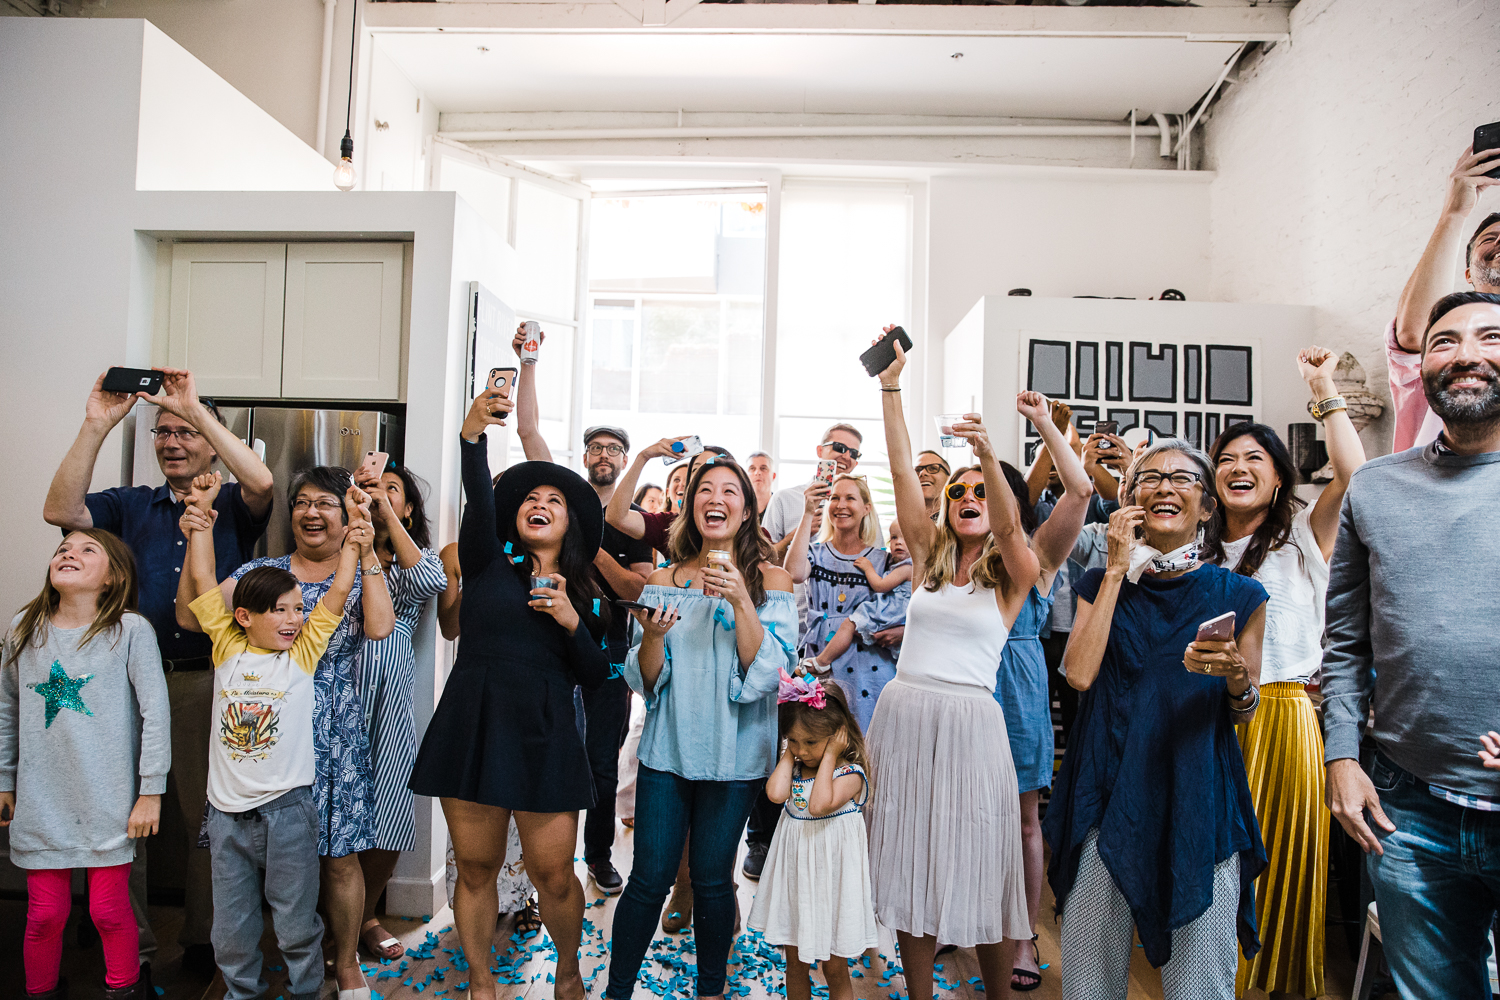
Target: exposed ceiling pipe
[
  {"x": 1165, "y": 131},
  {"x": 324, "y": 82},
  {"x": 805, "y": 131},
  {"x": 1208, "y": 98}
]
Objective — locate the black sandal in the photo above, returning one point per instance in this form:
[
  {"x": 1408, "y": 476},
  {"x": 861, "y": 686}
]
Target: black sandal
[
  {"x": 528, "y": 921},
  {"x": 1029, "y": 980}
]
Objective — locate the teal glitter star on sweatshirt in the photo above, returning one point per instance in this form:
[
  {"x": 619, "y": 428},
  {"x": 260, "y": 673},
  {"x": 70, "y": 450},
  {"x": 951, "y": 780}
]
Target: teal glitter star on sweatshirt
[{"x": 61, "y": 691}]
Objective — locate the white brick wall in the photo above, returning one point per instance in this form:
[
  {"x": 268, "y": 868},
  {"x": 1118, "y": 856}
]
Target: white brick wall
[{"x": 1332, "y": 155}]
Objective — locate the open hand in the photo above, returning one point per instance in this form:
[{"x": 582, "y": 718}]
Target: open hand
[
  {"x": 1468, "y": 179},
  {"x": 106, "y": 408},
  {"x": 891, "y": 637},
  {"x": 1491, "y": 752},
  {"x": 553, "y": 601},
  {"x": 836, "y": 745},
  {"x": 1121, "y": 537},
  {"x": 1216, "y": 659},
  {"x": 656, "y": 624},
  {"x": 145, "y": 818},
  {"x": 179, "y": 396},
  {"x": 661, "y": 449},
  {"x": 1349, "y": 793},
  {"x": 863, "y": 565},
  {"x": 814, "y": 497},
  {"x": 489, "y": 408},
  {"x": 727, "y": 582}
]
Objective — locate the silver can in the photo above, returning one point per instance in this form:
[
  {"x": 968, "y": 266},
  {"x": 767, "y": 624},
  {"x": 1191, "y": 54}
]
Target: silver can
[{"x": 531, "y": 341}]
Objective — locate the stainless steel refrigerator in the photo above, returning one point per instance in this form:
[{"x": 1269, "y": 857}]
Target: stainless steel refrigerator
[{"x": 287, "y": 440}]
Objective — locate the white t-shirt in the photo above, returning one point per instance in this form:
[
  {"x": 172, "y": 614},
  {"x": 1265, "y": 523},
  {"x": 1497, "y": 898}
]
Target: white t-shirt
[
  {"x": 261, "y": 744},
  {"x": 1296, "y": 579}
]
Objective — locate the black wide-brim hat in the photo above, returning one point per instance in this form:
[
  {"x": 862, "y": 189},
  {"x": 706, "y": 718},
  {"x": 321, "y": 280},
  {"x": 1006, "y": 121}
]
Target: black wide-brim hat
[{"x": 584, "y": 507}]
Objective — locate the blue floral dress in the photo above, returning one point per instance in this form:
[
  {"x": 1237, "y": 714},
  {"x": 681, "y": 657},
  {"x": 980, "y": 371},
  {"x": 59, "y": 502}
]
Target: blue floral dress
[
  {"x": 344, "y": 788},
  {"x": 386, "y": 672},
  {"x": 834, "y": 589}
]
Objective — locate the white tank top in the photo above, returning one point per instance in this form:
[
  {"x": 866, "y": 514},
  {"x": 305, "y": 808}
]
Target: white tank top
[
  {"x": 1296, "y": 582},
  {"x": 953, "y": 636}
]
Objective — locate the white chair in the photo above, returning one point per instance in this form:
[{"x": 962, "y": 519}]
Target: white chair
[{"x": 1364, "y": 973}]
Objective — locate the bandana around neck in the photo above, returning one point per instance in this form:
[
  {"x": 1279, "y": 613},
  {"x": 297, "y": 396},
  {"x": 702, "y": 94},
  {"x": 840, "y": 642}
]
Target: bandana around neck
[{"x": 1145, "y": 559}]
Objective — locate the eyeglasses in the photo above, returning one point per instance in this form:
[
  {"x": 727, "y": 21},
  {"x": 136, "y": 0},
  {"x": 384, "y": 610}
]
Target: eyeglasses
[
  {"x": 840, "y": 448},
  {"x": 1151, "y": 480},
  {"x": 612, "y": 450},
  {"x": 956, "y": 491},
  {"x": 931, "y": 470},
  {"x": 184, "y": 434},
  {"x": 322, "y": 506}
]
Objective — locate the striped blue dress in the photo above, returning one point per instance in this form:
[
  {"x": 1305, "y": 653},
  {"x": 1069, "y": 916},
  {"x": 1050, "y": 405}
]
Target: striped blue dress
[{"x": 385, "y": 673}]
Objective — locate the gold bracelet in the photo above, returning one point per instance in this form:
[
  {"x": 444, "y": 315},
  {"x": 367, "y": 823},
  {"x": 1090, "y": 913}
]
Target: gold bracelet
[{"x": 1323, "y": 407}]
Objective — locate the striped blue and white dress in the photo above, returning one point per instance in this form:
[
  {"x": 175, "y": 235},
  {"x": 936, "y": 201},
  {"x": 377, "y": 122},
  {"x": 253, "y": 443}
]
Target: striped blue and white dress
[{"x": 386, "y": 672}]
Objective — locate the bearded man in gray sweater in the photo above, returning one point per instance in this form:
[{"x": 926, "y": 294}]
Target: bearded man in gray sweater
[{"x": 1414, "y": 632}]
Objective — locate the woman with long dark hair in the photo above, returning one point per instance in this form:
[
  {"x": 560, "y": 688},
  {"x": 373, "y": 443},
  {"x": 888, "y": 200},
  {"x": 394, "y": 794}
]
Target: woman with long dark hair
[
  {"x": 386, "y": 672},
  {"x": 708, "y": 663},
  {"x": 1272, "y": 536},
  {"x": 502, "y": 742},
  {"x": 945, "y": 829},
  {"x": 1150, "y": 824}
]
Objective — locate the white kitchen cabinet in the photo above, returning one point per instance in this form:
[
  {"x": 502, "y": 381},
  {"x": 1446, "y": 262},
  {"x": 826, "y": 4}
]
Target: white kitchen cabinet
[
  {"x": 226, "y": 316},
  {"x": 295, "y": 321},
  {"x": 342, "y": 330}
]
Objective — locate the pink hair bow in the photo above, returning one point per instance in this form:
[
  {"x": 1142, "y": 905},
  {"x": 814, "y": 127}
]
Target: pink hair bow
[{"x": 800, "y": 689}]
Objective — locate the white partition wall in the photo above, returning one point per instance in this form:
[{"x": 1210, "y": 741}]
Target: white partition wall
[{"x": 1183, "y": 368}]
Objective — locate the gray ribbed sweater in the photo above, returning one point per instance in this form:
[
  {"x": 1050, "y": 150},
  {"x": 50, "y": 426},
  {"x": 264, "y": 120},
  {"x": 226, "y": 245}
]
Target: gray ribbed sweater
[{"x": 82, "y": 734}]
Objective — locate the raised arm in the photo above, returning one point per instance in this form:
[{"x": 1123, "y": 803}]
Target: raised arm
[
  {"x": 179, "y": 397},
  {"x": 1433, "y": 277},
  {"x": 796, "y": 561},
  {"x": 1021, "y": 566},
  {"x": 883, "y": 584},
  {"x": 477, "y": 543},
  {"x": 200, "y": 572},
  {"x": 1092, "y": 620},
  {"x": 404, "y": 551},
  {"x": 1100, "y": 452},
  {"x": 349, "y": 560},
  {"x": 375, "y": 594},
  {"x": 911, "y": 510},
  {"x": 1053, "y": 541},
  {"x": 618, "y": 513},
  {"x": 65, "y": 505},
  {"x": 528, "y": 417},
  {"x": 1345, "y": 450}
]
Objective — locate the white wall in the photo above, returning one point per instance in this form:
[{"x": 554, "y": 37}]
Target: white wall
[
  {"x": 1332, "y": 157},
  {"x": 1059, "y": 232}
]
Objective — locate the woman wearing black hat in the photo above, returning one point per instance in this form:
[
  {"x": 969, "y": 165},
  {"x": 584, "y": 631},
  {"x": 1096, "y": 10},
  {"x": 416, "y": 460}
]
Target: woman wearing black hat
[{"x": 503, "y": 741}]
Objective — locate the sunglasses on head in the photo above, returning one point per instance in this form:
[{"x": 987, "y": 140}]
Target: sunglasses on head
[
  {"x": 839, "y": 448},
  {"x": 956, "y": 491}
]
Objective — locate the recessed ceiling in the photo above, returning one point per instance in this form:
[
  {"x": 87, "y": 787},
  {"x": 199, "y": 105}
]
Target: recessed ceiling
[{"x": 1025, "y": 77}]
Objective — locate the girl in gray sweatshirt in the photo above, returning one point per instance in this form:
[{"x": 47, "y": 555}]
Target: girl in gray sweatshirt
[{"x": 84, "y": 752}]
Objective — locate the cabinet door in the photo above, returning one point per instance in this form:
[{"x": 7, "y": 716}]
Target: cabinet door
[
  {"x": 225, "y": 324},
  {"x": 342, "y": 334}
]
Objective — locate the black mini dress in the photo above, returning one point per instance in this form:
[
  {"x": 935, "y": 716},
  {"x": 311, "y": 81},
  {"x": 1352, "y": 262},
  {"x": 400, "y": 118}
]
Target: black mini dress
[{"x": 504, "y": 733}]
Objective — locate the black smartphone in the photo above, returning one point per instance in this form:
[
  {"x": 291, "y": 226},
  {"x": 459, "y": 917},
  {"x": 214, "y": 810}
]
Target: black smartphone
[
  {"x": 131, "y": 380},
  {"x": 636, "y": 606},
  {"x": 880, "y": 355},
  {"x": 1488, "y": 137},
  {"x": 1106, "y": 427}
]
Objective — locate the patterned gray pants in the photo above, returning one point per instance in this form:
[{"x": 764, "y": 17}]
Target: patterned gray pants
[{"x": 1098, "y": 938}]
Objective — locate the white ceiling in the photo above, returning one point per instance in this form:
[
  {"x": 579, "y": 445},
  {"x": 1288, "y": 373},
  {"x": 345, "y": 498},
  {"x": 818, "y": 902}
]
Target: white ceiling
[{"x": 1026, "y": 77}]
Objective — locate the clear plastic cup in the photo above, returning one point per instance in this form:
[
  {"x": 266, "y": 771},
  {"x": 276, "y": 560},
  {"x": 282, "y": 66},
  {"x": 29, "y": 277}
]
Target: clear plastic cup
[
  {"x": 543, "y": 581},
  {"x": 946, "y": 437}
]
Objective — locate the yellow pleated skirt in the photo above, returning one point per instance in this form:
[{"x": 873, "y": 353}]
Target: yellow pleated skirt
[{"x": 1283, "y": 750}]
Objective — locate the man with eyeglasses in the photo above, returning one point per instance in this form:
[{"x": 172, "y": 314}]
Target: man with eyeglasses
[
  {"x": 189, "y": 438},
  {"x": 933, "y": 471}
]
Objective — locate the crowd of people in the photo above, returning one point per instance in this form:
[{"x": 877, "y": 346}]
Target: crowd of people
[{"x": 869, "y": 704}]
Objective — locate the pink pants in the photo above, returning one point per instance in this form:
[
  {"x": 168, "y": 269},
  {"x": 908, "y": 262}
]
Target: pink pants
[{"x": 49, "y": 897}]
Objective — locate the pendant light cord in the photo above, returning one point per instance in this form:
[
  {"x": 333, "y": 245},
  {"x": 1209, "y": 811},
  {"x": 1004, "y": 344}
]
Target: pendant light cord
[{"x": 353, "y": 37}]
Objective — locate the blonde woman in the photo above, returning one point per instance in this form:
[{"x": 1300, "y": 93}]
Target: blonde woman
[
  {"x": 945, "y": 818},
  {"x": 841, "y": 570}
]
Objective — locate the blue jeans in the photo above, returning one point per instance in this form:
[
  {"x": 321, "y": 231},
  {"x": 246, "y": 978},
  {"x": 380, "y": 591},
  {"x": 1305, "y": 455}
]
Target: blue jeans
[
  {"x": 1437, "y": 886},
  {"x": 667, "y": 808},
  {"x": 277, "y": 842}
]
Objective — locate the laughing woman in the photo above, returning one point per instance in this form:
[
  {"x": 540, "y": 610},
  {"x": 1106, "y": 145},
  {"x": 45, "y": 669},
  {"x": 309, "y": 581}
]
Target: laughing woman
[
  {"x": 1151, "y": 823},
  {"x": 1271, "y": 536},
  {"x": 502, "y": 742},
  {"x": 944, "y": 813}
]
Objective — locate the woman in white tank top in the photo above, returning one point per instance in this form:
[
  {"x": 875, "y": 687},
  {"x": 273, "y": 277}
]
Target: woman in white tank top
[{"x": 944, "y": 813}]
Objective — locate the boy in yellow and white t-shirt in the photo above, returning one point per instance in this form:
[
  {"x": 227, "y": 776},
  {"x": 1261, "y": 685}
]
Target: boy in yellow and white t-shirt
[{"x": 261, "y": 767}]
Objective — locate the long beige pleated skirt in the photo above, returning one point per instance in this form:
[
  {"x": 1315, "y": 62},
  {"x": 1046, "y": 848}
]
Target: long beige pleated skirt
[
  {"x": 944, "y": 815},
  {"x": 1283, "y": 750}
]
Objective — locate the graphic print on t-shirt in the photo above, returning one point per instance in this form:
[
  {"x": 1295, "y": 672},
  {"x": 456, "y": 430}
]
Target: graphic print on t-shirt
[
  {"x": 61, "y": 691},
  {"x": 251, "y": 722}
]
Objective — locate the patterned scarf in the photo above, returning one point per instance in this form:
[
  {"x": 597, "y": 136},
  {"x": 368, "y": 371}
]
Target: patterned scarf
[{"x": 1144, "y": 559}]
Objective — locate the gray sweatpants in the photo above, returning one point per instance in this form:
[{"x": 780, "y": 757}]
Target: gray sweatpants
[
  {"x": 281, "y": 840},
  {"x": 1098, "y": 937}
]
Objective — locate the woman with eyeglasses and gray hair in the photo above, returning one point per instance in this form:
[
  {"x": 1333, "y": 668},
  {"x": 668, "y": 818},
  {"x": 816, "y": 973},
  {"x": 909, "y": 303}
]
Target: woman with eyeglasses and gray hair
[{"x": 1151, "y": 826}]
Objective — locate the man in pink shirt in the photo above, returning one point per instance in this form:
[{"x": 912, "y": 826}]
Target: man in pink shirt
[{"x": 1415, "y": 422}]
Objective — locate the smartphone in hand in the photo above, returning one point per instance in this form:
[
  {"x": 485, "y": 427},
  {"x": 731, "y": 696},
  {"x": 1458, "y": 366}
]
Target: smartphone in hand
[
  {"x": 879, "y": 357},
  {"x": 132, "y": 380},
  {"x": 636, "y": 606},
  {"x": 827, "y": 469},
  {"x": 1488, "y": 137},
  {"x": 1106, "y": 427},
  {"x": 1220, "y": 629},
  {"x": 375, "y": 462},
  {"x": 503, "y": 380}
]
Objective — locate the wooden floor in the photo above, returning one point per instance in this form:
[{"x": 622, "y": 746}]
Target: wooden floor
[{"x": 429, "y": 970}]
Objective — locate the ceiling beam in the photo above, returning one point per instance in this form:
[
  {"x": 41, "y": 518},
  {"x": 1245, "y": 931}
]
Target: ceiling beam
[{"x": 1266, "y": 23}]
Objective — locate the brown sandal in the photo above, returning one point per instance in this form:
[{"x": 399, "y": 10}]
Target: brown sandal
[{"x": 387, "y": 950}]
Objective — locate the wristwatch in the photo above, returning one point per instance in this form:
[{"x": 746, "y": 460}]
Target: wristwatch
[
  {"x": 373, "y": 571},
  {"x": 1323, "y": 407}
]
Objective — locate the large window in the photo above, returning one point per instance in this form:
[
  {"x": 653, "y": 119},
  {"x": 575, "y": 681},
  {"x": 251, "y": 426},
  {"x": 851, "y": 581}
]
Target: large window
[
  {"x": 844, "y": 274},
  {"x": 677, "y": 317}
]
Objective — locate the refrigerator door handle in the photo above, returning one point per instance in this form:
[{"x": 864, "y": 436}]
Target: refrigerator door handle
[{"x": 259, "y": 447}]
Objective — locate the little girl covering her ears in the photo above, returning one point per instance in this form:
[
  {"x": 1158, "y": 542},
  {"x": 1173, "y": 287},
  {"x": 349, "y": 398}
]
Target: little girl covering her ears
[
  {"x": 814, "y": 897},
  {"x": 85, "y": 747}
]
